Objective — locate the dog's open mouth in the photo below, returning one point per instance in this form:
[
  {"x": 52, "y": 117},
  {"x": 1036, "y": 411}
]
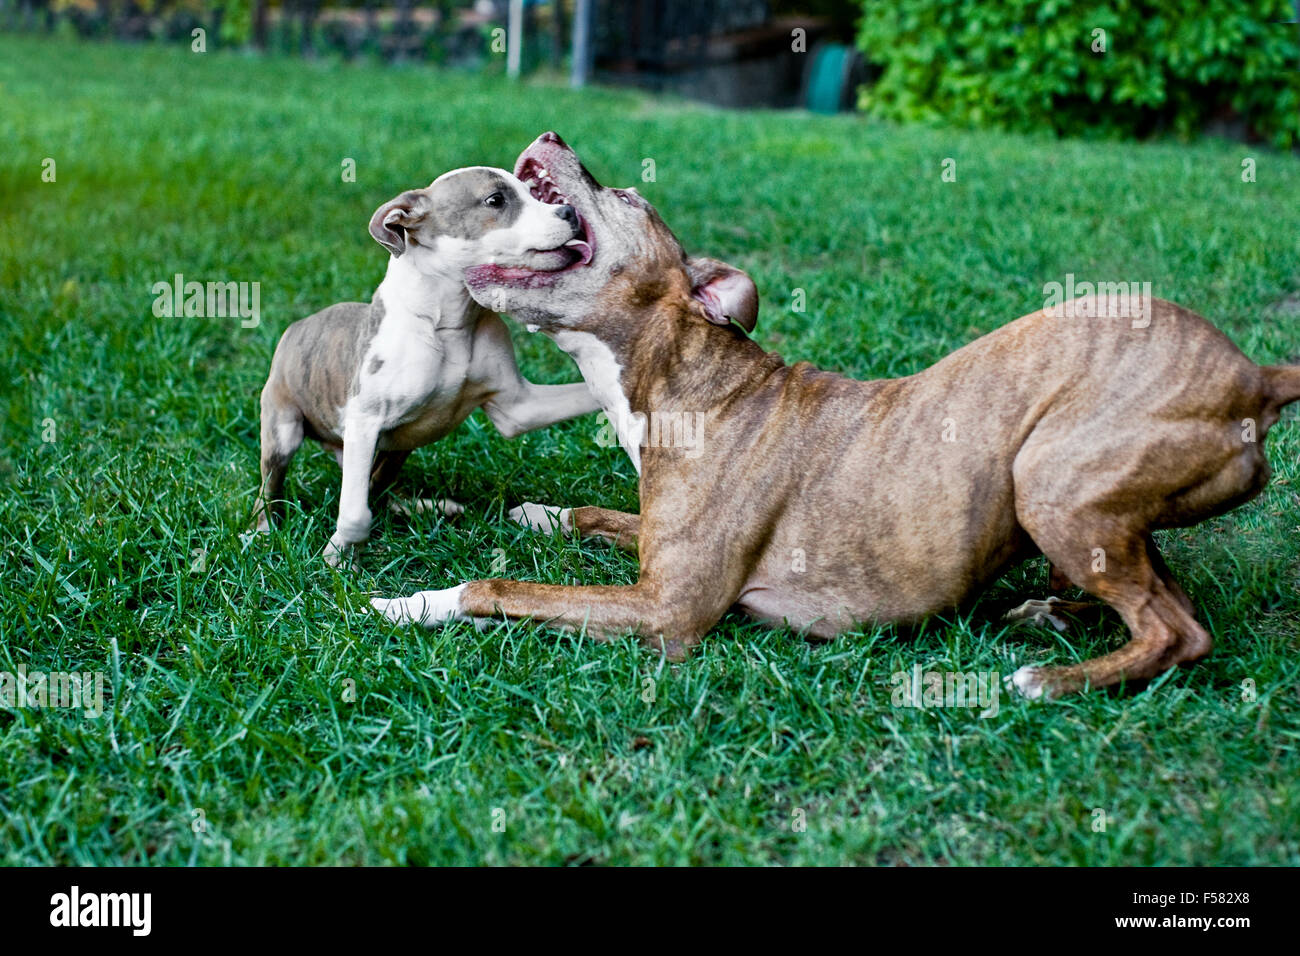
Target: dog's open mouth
[{"x": 539, "y": 182}]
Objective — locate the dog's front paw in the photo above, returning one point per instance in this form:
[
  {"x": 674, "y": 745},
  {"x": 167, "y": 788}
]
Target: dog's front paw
[
  {"x": 546, "y": 518},
  {"x": 340, "y": 554},
  {"x": 426, "y": 608},
  {"x": 1028, "y": 682}
]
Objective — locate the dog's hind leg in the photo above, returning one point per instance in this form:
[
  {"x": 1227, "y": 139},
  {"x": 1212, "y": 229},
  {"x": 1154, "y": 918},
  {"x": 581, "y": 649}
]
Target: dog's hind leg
[
  {"x": 282, "y": 434},
  {"x": 384, "y": 475},
  {"x": 1052, "y": 611},
  {"x": 1089, "y": 495},
  {"x": 1124, "y": 569},
  {"x": 446, "y": 507}
]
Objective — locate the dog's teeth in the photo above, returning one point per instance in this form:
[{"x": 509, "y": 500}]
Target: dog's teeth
[{"x": 543, "y": 173}]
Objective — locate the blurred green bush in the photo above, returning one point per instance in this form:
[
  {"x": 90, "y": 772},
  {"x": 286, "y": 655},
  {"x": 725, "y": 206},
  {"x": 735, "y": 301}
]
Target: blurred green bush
[{"x": 1126, "y": 68}]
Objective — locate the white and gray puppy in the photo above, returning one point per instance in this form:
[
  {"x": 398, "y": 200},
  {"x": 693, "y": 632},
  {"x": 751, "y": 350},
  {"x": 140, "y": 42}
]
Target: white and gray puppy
[{"x": 374, "y": 382}]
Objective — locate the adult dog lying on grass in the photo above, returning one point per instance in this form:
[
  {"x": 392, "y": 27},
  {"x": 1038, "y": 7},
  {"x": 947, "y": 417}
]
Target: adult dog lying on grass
[{"x": 1071, "y": 437}]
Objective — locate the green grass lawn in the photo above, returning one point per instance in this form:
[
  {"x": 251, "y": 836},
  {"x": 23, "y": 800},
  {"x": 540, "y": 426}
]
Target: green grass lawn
[{"x": 258, "y": 712}]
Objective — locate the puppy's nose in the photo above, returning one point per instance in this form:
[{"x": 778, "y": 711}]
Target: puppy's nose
[
  {"x": 550, "y": 136},
  {"x": 568, "y": 214}
]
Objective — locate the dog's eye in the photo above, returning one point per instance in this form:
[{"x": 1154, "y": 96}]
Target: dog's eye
[{"x": 495, "y": 201}]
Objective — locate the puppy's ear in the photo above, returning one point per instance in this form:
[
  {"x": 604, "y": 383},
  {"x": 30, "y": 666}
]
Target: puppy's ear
[
  {"x": 391, "y": 220},
  {"x": 727, "y": 294}
]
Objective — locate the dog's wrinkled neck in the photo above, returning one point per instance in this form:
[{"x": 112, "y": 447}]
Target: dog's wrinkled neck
[
  {"x": 688, "y": 362},
  {"x": 663, "y": 353}
]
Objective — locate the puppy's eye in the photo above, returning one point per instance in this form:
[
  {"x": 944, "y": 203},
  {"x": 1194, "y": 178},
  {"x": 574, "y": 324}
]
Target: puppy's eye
[{"x": 495, "y": 201}]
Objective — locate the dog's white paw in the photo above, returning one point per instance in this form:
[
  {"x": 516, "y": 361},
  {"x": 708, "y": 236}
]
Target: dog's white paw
[
  {"x": 339, "y": 555},
  {"x": 1038, "y": 612},
  {"x": 1028, "y": 683},
  {"x": 444, "y": 506},
  {"x": 545, "y": 518},
  {"x": 449, "y": 508},
  {"x": 426, "y": 608}
]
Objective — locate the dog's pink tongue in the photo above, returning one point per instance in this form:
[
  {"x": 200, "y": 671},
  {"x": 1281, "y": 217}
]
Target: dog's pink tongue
[{"x": 583, "y": 249}]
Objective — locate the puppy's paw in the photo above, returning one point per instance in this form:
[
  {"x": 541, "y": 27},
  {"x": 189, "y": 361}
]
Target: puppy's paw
[
  {"x": 340, "y": 555},
  {"x": 449, "y": 508},
  {"x": 426, "y": 608},
  {"x": 333, "y": 556},
  {"x": 419, "y": 506},
  {"x": 1039, "y": 612},
  {"x": 545, "y": 518}
]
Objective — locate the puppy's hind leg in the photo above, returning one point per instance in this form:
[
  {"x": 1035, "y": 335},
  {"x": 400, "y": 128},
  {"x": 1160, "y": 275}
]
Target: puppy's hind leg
[
  {"x": 282, "y": 434},
  {"x": 384, "y": 476},
  {"x": 446, "y": 507},
  {"x": 1054, "y": 611}
]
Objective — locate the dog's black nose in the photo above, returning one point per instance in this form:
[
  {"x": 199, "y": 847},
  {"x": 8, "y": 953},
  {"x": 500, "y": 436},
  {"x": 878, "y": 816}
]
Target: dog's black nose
[
  {"x": 550, "y": 136},
  {"x": 568, "y": 214}
]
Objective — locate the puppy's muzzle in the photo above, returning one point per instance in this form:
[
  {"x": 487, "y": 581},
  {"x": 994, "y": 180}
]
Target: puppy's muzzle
[{"x": 570, "y": 215}]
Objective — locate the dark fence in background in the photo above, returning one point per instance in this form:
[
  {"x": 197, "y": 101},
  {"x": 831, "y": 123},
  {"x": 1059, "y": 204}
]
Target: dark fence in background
[
  {"x": 730, "y": 52},
  {"x": 439, "y": 31},
  {"x": 653, "y": 36},
  {"x": 641, "y": 35}
]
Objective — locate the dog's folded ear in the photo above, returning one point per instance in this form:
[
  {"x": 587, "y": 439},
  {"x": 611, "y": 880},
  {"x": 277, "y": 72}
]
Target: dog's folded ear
[
  {"x": 391, "y": 220},
  {"x": 727, "y": 294}
]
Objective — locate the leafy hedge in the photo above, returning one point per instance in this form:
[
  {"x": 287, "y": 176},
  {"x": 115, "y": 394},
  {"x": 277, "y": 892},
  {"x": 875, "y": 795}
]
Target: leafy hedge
[{"x": 1167, "y": 65}]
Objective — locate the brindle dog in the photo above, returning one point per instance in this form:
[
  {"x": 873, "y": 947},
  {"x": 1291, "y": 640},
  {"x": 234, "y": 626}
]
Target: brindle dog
[{"x": 1071, "y": 437}]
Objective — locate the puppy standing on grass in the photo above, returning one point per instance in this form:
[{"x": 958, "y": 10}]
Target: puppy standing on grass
[{"x": 374, "y": 382}]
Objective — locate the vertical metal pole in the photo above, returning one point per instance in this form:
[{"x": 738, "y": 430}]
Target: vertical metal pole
[
  {"x": 515, "y": 39},
  {"x": 583, "y": 15},
  {"x": 259, "y": 24}
]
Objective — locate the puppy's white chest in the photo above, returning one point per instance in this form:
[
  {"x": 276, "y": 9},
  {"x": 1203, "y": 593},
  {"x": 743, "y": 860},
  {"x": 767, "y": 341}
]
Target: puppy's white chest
[{"x": 413, "y": 379}]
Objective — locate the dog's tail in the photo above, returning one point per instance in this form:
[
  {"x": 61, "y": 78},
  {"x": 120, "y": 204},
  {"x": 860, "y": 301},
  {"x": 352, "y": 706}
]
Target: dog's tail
[{"x": 1282, "y": 384}]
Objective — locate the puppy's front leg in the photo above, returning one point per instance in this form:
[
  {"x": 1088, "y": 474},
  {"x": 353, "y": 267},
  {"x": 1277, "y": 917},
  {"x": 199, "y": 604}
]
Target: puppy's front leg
[
  {"x": 671, "y": 622},
  {"x": 517, "y": 405},
  {"x": 360, "y": 435},
  {"x": 526, "y": 407}
]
